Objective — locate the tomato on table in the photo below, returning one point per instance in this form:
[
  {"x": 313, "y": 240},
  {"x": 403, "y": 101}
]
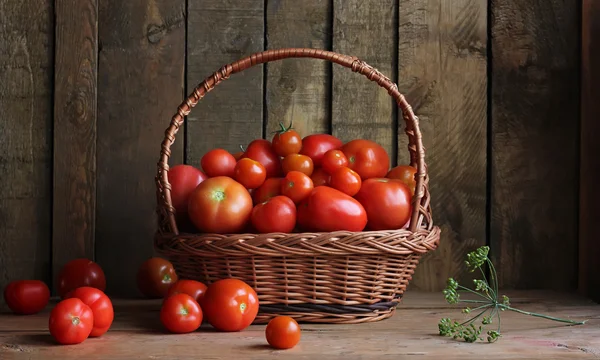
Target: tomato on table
[
  {"x": 230, "y": 305},
  {"x": 297, "y": 162},
  {"x": 278, "y": 214},
  {"x": 320, "y": 177},
  {"x": 286, "y": 141},
  {"x": 316, "y": 145},
  {"x": 71, "y": 321},
  {"x": 100, "y": 305},
  {"x": 181, "y": 314},
  {"x": 80, "y": 272},
  {"x": 26, "y": 297},
  {"x": 346, "y": 180},
  {"x": 183, "y": 180},
  {"x": 327, "y": 209},
  {"x": 262, "y": 151},
  {"x": 218, "y": 162},
  {"x": 333, "y": 160},
  {"x": 297, "y": 186},
  {"x": 283, "y": 332},
  {"x": 367, "y": 158},
  {"x": 250, "y": 173},
  {"x": 406, "y": 174},
  {"x": 270, "y": 188},
  {"x": 387, "y": 202},
  {"x": 155, "y": 276},
  {"x": 193, "y": 288}
]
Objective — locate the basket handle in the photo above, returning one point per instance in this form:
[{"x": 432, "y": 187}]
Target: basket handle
[{"x": 421, "y": 206}]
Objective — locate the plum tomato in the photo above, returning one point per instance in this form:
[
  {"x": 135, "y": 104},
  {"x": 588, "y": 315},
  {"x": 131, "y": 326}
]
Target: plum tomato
[
  {"x": 230, "y": 305},
  {"x": 183, "y": 180},
  {"x": 270, "y": 188},
  {"x": 26, "y": 297},
  {"x": 320, "y": 177},
  {"x": 296, "y": 185},
  {"x": 387, "y": 202},
  {"x": 100, "y": 305},
  {"x": 346, "y": 180},
  {"x": 332, "y": 160},
  {"x": 286, "y": 141},
  {"x": 406, "y": 174},
  {"x": 316, "y": 145},
  {"x": 367, "y": 158},
  {"x": 80, "y": 272},
  {"x": 327, "y": 209},
  {"x": 297, "y": 162},
  {"x": 155, "y": 276},
  {"x": 181, "y": 314},
  {"x": 262, "y": 151},
  {"x": 282, "y": 332},
  {"x": 193, "y": 288},
  {"x": 218, "y": 162},
  {"x": 250, "y": 173},
  {"x": 71, "y": 321},
  {"x": 278, "y": 214}
]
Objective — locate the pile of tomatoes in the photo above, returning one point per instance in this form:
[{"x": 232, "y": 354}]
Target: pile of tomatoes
[{"x": 289, "y": 184}]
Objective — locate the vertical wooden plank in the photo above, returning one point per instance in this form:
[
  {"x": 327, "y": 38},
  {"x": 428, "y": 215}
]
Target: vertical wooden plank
[
  {"x": 298, "y": 90},
  {"x": 26, "y": 59},
  {"x": 140, "y": 85},
  {"x": 589, "y": 178},
  {"x": 535, "y": 111},
  {"x": 232, "y": 114},
  {"x": 442, "y": 65},
  {"x": 76, "y": 54},
  {"x": 360, "y": 109}
]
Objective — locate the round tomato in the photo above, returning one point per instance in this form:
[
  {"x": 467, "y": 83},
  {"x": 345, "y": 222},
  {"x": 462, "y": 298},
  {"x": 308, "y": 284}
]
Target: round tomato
[
  {"x": 71, "y": 321},
  {"x": 27, "y": 297},
  {"x": 270, "y": 188},
  {"x": 387, "y": 202},
  {"x": 250, "y": 173},
  {"x": 181, "y": 314},
  {"x": 282, "y": 332},
  {"x": 101, "y": 308},
  {"x": 332, "y": 160},
  {"x": 278, "y": 214},
  {"x": 230, "y": 305},
  {"x": 406, "y": 174},
  {"x": 218, "y": 162},
  {"x": 297, "y": 162},
  {"x": 367, "y": 158},
  {"x": 327, "y": 209},
  {"x": 320, "y": 177},
  {"x": 262, "y": 151},
  {"x": 296, "y": 185},
  {"x": 316, "y": 145},
  {"x": 80, "y": 272},
  {"x": 220, "y": 205},
  {"x": 286, "y": 141},
  {"x": 183, "y": 180},
  {"x": 155, "y": 276},
  {"x": 193, "y": 288},
  {"x": 346, "y": 180}
]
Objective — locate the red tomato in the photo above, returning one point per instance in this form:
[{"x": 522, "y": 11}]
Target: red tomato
[
  {"x": 296, "y": 185},
  {"x": 316, "y": 145},
  {"x": 71, "y": 321},
  {"x": 278, "y": 214},
  {"x": 100, "y": 305},
  {"x": 250, "y": 173},
  {"x": 230, "y": 305},
  {"x": 320, "y": 177},
  {"x": 181, "y": 314},
  {"x": 220, "y": 205},
  {"x": 270, "y": 188},
  {"x": 282, "y": 332},
  {"x": 80, "y": 272},
  {"x": 286, "y": 141},
  {"x": 193, "y": 288},
  {"x": 327, "y": 209},
  {"x": 297, "y": 162},
  {"x": 332, "y": 160},
  {"x": 367, "y": 158},
  {"x": 27, "y": 297},
  {"x": 218, "y": 162},
  {"x": 262, "y": 151},
  {"x": 406, "y": 174},
  {"x": 238, "y": 155},
  {"x": 155, "y": 276},
  {"x": 183, "y": 180},
  {"x": 387, "y": 203},
  {"x": 346, "y": 180}
]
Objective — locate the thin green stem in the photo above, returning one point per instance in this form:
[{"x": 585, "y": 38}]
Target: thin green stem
[
  {"x": 498, "y": 315},
  {"x": 475, "y": 301},
  {"x": 495, "y": 295},
  {"x": 481, "y": 307},
  {"x": 493, "y": 275},
  {"x": 543, "y": 316},
  {"x": 478, "y": 315},
  {"x": 474, "y": 292}
]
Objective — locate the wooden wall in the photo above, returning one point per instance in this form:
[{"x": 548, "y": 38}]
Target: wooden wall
[{"x": 87, "y": 88}]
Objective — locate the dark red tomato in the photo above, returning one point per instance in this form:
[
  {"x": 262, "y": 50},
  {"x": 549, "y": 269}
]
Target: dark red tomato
[
  {"x": 296, "y": 185},
  {"x": 71, "y": 322},
  {"x": 270, "y": 188},
  {"x": 218, "y": 162},
  {"x": 297, "y": 162},
  {"x": 101, "y": 308},
  {"x": 193, "y": 288},
  {"x": 333, "y": 160},
  {"x": 230, "y": 305},
  {"x": 320, "y": 177},
  {"x": 327, "y": 209},
  {"x": 155, "y": 276},
  {"x": 316, "y": 145},
  {"x": 367, "y": 158},
  {"x": 287, "y": 141},
  {"x": 250, "y": 173},
  {"x": 80, "y": 272},
  {"x": 282, "y": 332},
  {"x": 406, "y": 174},
  {"x": 278, "y": 214},
  {"x": 262, "y": 151},
  {"x": 27, "y": 297},
  {"x": 346, "y": 180},
  {"x": 181, "y": 314},
  {"x": 387, "y": 202},
  {"x": 183, "y": 180}
]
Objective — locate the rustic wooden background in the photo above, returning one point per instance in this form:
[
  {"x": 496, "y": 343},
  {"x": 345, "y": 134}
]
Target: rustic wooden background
[{"x": 87, "y": 88}]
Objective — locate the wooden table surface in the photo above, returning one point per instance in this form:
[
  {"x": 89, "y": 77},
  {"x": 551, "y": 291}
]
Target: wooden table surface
[{"x": 412, "y": 331}]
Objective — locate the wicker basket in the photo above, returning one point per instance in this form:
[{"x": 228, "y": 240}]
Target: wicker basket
[{"x": 337, "y": 277}]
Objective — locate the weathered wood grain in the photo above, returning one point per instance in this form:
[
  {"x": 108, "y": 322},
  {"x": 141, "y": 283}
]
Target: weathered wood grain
[
  {"x": 298, "y": 91},
  {"x": 220, "y": 32},
  {"x": 442, "y": 72},
  {"x": 535, "y": 107},
  {"x": 75, "y": 95},
  {"x": 361, "y": 109},
  {"x": 26, "y": 53},
  {"x": 140, "y": 85}
]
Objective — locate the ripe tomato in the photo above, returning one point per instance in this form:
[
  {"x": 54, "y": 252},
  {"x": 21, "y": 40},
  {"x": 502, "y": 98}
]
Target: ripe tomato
[
  {"x": 320, "y": 177},
  {"x": 218, "y": 162},
  {"x": 155, "y": 276},
  {"x": 327, "y": 209},
  {"x": 367, "y": 158},
  {"x": 296, "y": 185},
  {"x": 282, "y": 332},
  {"x": 278, "y": 214},
  {"x": 193, "y": 288},
  {"x": 71, "y": 321},
  {"x": 297, "y": 162},
  {"x": 286, "y": 141},
  {"x": 100, "y": 305},
  {"x": 238, "y": 155},
  {"x": 220, "y": 205},
  {"x": 80, "y": 272},
  {"x": 332, "y": 160},
  {"x": 181, "y": 314},
  {"x": 183, "y": 180},
  {"x": 387, "y": 202},
  {"x": 250, "y": 173},
  {"x": 346, "y": 180},
  {"x": 27, "y": 297},
  {"x": 262, "y": 151},
  {"x": 270, "y": 188},
  {"x": 316, "y": 145},
  {"x": 406, "y": 174},
  {"x": 230, "y": 305}
]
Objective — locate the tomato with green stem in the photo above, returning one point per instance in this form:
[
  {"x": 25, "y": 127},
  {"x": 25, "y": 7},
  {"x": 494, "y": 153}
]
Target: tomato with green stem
[
  {"x": 250, "y": 173},
  {"x": 367, "y": 158},
  {"x": 155, "y": 276},
  {"x": 346, "y": 180},
  {"x": 100, "y": 305},
  {"x": 286, "y": 141},
  {"x": 71, "y": 321},
  {"x": 278, "y": 214},
  {"x": 218, "y": 162},
  {"x": 296, "y": 185},
  {"x": 332, "y": 160},
  {"x": 297, "y": 162},
  {"x": 230, "y": 305},
  {"x": 283, "y": 332},
  {"x": 181, "y": 314}
]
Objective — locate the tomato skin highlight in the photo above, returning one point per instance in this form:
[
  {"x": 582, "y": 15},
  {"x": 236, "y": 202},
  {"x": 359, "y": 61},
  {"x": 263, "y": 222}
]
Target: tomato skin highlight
[
  {"x": 183, "y": 180},
  {"x": 250, "y": 173},
  {"x": 333, "y": 160},
  {"x": 316, "y": 145},
  {"x": 181, "y": 314},
  {"x": 278, "y": 214},
  {"x": 230, "y": 305},
  {"x": 26, "y": 297},
  {"x": 367, "y": 158},
  {"x": 262, "y": 151},
  {"x": 80, "y": 272},
  {"x": 296, "y": 185},
  {"x": 286, "y": 142},
  {"x": 71, "y": 321},
  {"x": 270, "y": 188},
  {"x": 387, "y": 202},
  {"x": 406, "y": 174},
  {"x": 346, "y": 180},
  {"x": 327, "y": 209},
  {"x": 283, "y": 332},
  {"x": 297, "y": 162},
  {"x": 155, "y": 277},
  {"x": 100, "y": 305}
]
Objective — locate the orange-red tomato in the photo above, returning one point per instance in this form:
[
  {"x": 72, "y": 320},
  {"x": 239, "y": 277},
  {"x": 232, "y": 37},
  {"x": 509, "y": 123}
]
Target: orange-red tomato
[
  {"x": 262, "y": 151},
  {"x": 100, "y": 305},
  {"x": 28, "y": 297},
  {"x": 218, "y": 162},
  {"x": 346, "y": 180},
  {"x": 296, "y": 185},
  {"x": 230, "y": 305},
  {"x": 297, "y": 162},
  {"x": 278, "y": 214},
  {"x": 193, "y": 288},
  {"x": 181, "y": 314},
  {"x": 332, "y": 160},
  {"x": 387, "y": 202},
  {"x": 286, "y": 142},
  {"x": 367, "y": 158},
  {"x": 406, "y": 174},
  {"x": 327, "y": 209},
  {"x": 270, "y": 188},
  {"x": 282, "y": 332},
  {"x": 80, "y": 272},
  {"x": 250, "y": 173},
  {"x": 155, "y": 276},
  {"x": 71, "y": 321},
  {"x": 320, "y": 177}
]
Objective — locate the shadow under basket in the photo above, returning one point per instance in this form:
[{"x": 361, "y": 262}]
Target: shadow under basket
[{"x": 335, "y": 277}]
